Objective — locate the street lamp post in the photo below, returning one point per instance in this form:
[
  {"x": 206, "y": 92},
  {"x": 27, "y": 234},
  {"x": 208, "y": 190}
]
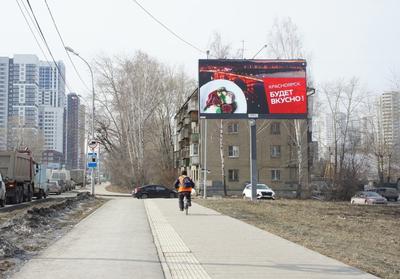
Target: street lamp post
[{"x": 93, "y": 96}]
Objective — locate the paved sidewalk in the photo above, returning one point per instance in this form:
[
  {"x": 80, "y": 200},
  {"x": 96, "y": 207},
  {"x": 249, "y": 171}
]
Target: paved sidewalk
[
  {"x": 206, "y": 244},
  {"x": 114, "y": 242}
]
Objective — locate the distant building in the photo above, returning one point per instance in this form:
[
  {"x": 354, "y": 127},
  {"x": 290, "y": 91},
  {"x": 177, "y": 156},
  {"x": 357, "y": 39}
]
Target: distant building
[
  {"x": 51, "y": 104},
  {"x": 52, "y": 159},
  {"x": 4, "y": 85},
  {"x": 72, "y": 131},
  {"x": 32, "y": 95},
  {"x": 81, "y": 136},
  {"x": 389, "y": 119},
  {"x": 51, "y": 123},
  {"x": 23, "y": 111},
  {"x": 327, "y": 129}
]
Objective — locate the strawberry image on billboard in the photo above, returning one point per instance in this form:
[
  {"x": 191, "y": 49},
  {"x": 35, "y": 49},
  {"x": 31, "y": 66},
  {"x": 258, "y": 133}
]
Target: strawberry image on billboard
[{"x": 286, "y": 95}]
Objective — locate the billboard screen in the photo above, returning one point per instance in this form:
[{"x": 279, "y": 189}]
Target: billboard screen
[{"x": 252, "y": 89}]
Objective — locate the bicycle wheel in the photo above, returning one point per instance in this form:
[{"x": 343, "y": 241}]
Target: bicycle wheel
[{"x": 186, "y": 206}]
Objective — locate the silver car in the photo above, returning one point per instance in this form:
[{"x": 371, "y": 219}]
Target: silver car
[
  {"x": 54, "y": 187},
  {"x": 367, "y": 197}
]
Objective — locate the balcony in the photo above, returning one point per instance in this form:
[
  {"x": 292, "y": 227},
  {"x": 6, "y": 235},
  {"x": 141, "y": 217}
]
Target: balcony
[
  {"x": 186, "y": 121},
  {"x": 194, "y": 138},
  {"x": 194, "y": 160},
  {"x": 185, "y": 133},
  {"x": 185, "y": 153},
  {"x": 192, "y": 105}
]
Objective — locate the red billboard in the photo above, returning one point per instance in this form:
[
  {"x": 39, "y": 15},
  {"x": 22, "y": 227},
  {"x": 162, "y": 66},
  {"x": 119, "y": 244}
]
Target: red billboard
[{"x": 252, "y": 89}]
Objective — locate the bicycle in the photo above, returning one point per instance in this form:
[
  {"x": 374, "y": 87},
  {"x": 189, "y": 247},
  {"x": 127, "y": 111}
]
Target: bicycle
[{"x": 186, "y": 204}]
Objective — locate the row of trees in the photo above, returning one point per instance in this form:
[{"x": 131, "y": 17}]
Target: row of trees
[{"x": 138, "y": 98}]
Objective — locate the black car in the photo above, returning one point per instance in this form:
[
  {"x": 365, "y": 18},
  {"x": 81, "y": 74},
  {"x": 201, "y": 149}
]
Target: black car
[{"x": 154, "y": 191}]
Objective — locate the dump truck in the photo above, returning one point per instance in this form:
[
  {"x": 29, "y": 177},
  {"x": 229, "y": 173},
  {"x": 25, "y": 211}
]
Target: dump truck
[{"x": 18, "y": 171}]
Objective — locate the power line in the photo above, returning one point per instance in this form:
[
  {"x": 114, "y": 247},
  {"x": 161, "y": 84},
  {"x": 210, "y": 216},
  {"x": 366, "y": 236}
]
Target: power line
[
  {"x": 30, "y": 28},
  {"x": 168, "y": 29},
  {"x": 62, "y": 41},
  {"x": 47, "y": 45}
]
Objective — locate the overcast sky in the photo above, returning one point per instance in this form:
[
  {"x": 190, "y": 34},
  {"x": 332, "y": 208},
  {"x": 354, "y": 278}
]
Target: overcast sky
[{"x": 345, "y": 37}]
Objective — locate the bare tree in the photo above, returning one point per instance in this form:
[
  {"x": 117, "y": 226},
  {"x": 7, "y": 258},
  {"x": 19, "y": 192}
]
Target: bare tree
[
  {"x": 218, "y": 49},
  {"x": 221, "y": 51},
  {"x": 343, "y": 98},
  {"x": 138, "y": 98},
  {"x": 285, "y": 42}
]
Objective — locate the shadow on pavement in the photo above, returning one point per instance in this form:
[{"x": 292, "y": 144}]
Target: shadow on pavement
[
  {"x": 298, "y": 267},
  {"x": 97, "y": 259}
]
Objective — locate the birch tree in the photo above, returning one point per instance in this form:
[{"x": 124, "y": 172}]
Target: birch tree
[
  {"x": 221, "y": 50},
  {"x": 343, "y": 98},
  {"x": 285, "y": 42},
  {"x": 138, "y": 97}
]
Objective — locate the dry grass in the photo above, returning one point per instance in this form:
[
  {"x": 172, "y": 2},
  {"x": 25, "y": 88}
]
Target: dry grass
[{"x": 366, "y": 237}]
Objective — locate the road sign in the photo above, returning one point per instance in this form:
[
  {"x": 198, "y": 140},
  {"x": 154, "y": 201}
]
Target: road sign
[
  {"x": 92, "y": 164},
  {"x": 94, "y": 154},
  {"x": 93, "y": 144}
]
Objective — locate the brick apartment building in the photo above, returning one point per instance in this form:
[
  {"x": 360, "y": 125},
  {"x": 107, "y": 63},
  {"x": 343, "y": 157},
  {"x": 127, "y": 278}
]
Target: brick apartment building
[{"x": 277, "y": 152}]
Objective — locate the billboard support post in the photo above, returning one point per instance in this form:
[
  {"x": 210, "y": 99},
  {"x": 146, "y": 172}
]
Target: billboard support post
[
  {"x": 205, "y": 161},
  {"x": 253, "y": 159}
]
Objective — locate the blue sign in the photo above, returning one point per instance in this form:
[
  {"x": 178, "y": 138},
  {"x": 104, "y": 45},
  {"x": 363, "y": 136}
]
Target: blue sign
[
  {"x": 92, "y": 164},
  {"x": 92, "y": 154}
]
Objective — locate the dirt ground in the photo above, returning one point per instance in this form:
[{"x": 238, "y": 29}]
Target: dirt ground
[
  {"x": 25, "y": 232},
  {"x": 366, "y": 237}
]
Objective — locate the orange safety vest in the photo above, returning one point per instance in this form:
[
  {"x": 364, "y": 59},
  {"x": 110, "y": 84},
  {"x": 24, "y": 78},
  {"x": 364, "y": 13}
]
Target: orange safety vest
[{"x": 182, "y": 187}]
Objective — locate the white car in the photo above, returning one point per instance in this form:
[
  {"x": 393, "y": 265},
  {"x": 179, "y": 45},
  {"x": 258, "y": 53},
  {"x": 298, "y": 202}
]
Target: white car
[
  {"x": 368, "y": 197},
  {"x": 2, "y": 192},
  {"x": 263, "y": 192}
]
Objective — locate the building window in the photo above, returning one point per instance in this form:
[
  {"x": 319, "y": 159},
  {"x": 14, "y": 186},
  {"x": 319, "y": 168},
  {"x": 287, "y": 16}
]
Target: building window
[
  {"x": 275, "y": 175},
  {"x": 233, "y": 128},
  {"x": 233, "y": 151},
  {"x": 275, "y": 128},
  {"x": 233, "y": 175},
  {"x": 275, "y": 151},
  {"x": 194, "y": 149}
]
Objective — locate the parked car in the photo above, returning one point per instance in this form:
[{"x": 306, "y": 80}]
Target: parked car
[
  {"x": 388, "y": 193},
  {"x": 263, "y": 192},
  {"x": 154, "y": 191},
  {"x": 368, "y": 197},
  {"x": 54, "y": 187},
  {"x": 2, "y": 192}
]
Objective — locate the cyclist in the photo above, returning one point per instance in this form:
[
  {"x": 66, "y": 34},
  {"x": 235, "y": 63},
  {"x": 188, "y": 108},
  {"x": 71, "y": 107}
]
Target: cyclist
[{"x": 184, "y": 184}]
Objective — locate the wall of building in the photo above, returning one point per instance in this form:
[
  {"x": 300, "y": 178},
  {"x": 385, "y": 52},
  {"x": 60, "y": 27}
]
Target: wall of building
[{"x": 4, "y": 77}]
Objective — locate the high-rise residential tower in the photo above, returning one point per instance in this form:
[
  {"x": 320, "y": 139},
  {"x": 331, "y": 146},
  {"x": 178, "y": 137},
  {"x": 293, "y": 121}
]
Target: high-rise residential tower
[
  {"x": 389, "y": 119},
  {"x": 4, "y": 84},
  {"x": 23, "y": 112},
  {"x": 72, "y": 131},
  {"x": 51, "y": 104}
]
